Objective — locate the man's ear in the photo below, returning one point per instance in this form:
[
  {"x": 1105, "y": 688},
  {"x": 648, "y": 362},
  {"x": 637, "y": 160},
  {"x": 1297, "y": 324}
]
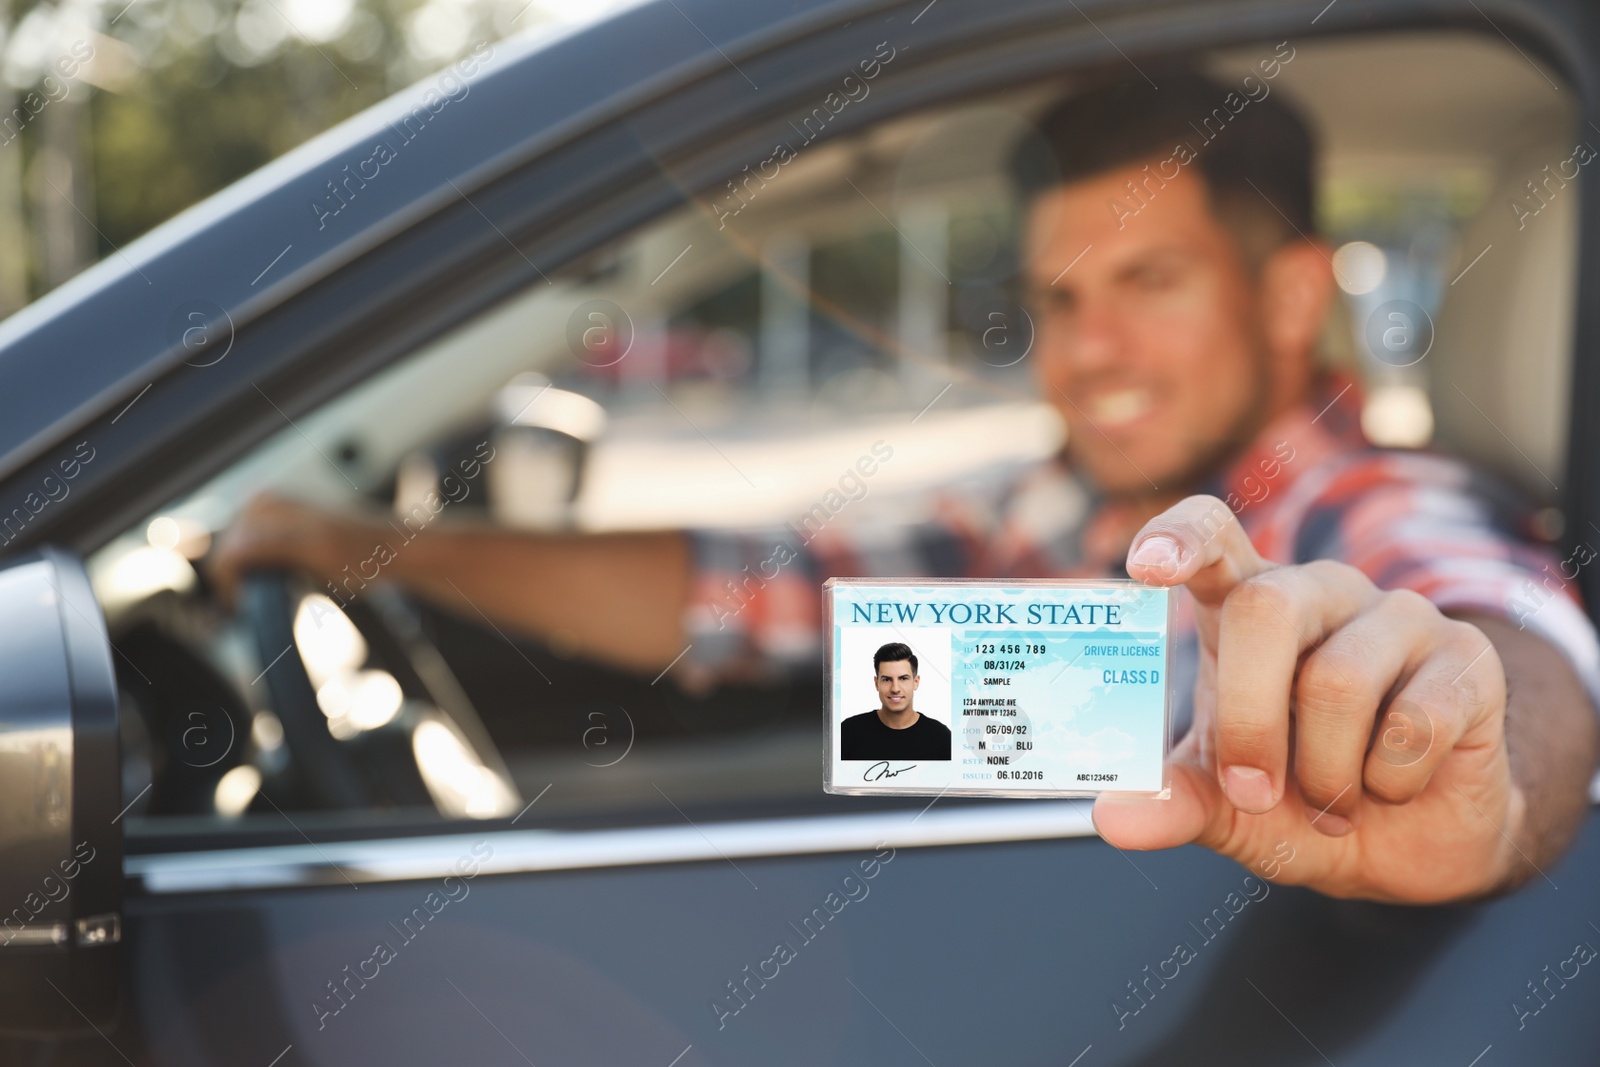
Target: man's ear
[{"x": 1295, "y": 288}]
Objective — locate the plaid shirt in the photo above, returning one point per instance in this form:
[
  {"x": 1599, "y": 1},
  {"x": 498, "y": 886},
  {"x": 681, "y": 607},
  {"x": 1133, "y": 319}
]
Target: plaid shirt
[{"x": 1310, "y": 487}]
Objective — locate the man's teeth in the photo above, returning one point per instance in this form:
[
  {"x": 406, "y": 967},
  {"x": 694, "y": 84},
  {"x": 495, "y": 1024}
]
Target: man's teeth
[{"x": 1124, "y": 405}]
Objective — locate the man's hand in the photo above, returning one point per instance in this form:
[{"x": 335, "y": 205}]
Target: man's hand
[
  {"x": 275, "y": 531},
  {"x": 1362, "y": 726}
]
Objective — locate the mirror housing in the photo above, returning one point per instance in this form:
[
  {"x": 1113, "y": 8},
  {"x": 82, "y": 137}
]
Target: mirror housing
[{"x": 60, "y": 801}]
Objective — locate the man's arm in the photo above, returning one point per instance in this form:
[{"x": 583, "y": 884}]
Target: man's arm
[
  {"x": 618, "y": 598},
  {"x": 1551, "y": 737}
]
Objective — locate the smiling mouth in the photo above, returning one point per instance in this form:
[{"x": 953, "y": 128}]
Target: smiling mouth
[{"x": 1118, "y": 407}]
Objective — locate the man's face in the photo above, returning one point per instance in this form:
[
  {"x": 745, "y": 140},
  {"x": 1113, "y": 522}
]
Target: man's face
[
  {"x": 896, "y": 683},
  {"x": 1150, "y": 345}
]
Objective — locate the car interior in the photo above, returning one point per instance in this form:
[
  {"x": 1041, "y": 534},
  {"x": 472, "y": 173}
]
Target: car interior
[{"x": 718, "y": 368}]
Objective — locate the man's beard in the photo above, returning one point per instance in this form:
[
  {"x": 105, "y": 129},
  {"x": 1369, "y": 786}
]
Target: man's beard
[{"x": 1207, "y": 459}]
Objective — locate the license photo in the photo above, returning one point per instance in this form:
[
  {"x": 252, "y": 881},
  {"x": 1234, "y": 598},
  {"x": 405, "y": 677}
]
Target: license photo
[{"x": 1043, "y": 688}]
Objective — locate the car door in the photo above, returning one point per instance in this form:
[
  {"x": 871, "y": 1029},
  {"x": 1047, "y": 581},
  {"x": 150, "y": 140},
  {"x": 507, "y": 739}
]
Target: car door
[{"x": 748, "y": 926}]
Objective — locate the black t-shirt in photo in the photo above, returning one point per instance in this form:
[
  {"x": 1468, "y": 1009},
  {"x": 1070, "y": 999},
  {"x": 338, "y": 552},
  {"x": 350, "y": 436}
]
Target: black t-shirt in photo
[{"x": 866, "y": 737}]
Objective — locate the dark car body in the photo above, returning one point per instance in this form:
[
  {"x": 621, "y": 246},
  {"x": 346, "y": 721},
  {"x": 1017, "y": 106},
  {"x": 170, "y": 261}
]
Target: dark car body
[{"x": 1001, "y": 933}]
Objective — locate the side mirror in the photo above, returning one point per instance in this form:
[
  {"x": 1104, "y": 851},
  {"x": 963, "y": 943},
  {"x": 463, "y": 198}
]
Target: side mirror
[{"x": 60, "y": 800}]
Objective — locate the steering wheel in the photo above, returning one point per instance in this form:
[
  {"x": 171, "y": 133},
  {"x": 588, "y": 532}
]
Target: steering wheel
[
  {"x": 381, "y": 767},
  {"x": 327, "y": 770}
]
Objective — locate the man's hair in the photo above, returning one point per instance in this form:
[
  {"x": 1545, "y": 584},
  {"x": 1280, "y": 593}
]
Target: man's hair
[
  {"x": 1257, "y": 161},
  {"x": 894, "y": 652}
]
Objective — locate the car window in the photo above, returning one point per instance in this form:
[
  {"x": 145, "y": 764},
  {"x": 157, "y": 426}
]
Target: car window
[{"x": 726, "y": 366}]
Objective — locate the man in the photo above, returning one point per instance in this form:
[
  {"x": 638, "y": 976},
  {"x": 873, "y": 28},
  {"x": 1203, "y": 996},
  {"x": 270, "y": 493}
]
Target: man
[
  {"x": 1442, "y": 739},
  {"x": 897, "y": 730}
]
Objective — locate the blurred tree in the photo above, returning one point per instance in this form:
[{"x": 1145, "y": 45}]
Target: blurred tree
[
  {"x": 13, "y": 218},
  {"x": 118, "y": 114}
]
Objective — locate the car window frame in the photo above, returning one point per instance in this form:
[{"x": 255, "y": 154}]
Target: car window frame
[{"x": 485, "y": 242}]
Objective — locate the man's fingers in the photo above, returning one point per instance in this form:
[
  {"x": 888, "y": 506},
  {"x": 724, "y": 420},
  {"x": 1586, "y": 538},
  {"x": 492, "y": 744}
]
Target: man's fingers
[
  {"x": 250, "y": 541},
  {"x": 1456, "y": 689},
  {"x": 269, "y": 530},
  {"x": 1340, "y": 689},
  {"x": 226, "y": 558},
  {"x": 1265, "y": 624},
  {"x": 1197, "y": 542},
  {"x": 1195, "y": 810},
  {"x": 1198, "y": 812},
  {"x": 1259, "y": 619}
]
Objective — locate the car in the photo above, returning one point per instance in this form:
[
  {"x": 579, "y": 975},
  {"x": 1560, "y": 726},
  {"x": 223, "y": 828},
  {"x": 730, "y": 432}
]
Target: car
[{"x": 683, "y": 266}]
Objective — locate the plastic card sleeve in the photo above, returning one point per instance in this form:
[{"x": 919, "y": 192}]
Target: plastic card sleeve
[{"x": 1025, "y": 688}]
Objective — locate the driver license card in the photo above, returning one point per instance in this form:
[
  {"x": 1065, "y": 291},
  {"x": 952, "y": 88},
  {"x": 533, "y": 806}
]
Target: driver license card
[{"x": 1024, "y": 688}]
